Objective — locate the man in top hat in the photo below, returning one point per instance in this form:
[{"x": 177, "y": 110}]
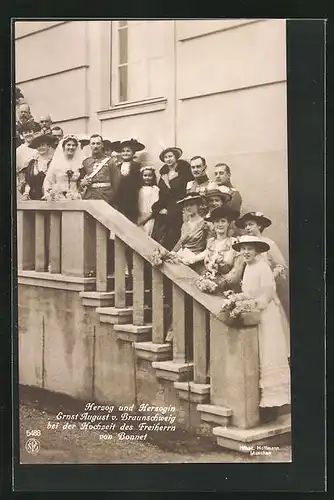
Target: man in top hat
[
  {"x": 99, "y": 176},
  {"x": 222, "y": 173}
]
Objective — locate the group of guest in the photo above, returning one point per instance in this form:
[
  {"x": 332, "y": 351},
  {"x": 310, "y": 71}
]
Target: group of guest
[{"x": 197, "y": 218}]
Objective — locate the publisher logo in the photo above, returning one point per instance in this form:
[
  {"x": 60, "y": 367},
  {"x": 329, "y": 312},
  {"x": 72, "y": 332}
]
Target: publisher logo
[{"x": 32, "y": 446}]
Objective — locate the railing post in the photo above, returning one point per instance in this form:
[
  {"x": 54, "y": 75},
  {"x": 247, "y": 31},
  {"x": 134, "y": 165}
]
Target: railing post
[
  {"x": 39, "y": 241},
  {"x": 101, "y": 257},
  {"x": 179, "y": 331},
  {"x": 55, "y": 242},
  {"x": 72, "y": 255},
  {"x": 120, "y": 264},
  {"x": 157, "y": 307},
  {"x": 25, "y": 240},
  {"x": 200, "y": 343},
  {"x": 234, "y": 371},
  {"x": 138, "y": 289}
]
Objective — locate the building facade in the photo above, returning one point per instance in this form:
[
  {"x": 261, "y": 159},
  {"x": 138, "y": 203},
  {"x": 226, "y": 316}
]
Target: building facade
[{"x": 215, "y": 88}]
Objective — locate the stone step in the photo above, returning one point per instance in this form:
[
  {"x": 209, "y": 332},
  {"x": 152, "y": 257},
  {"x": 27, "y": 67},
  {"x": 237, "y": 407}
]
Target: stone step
[
  {"x": 258, "y": 440},
  {"x": 122, "y": 315},
  {"x": 215, "y": 414},
  {"x": 107, "y": 299},
  {"x": 154, "y": 352},
  {"x": 134, "y": 333},
  {"x": 191, "y": 391},
  {"x": 115, "y": 315},
  {"x": 173, "y": 370}
]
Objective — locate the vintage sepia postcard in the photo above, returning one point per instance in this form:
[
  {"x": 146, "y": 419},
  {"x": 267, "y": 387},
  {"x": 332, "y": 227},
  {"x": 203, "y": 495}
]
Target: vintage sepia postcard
[{"x": 153, "y": 257}]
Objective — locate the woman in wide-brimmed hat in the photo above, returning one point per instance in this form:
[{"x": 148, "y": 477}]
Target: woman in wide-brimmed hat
[
  {"x": 194, "y": 231},
  {"x": 254, "y": 223},
  {"x": 64, "y": 171},
  {"x": 126, "y": 199},
  {"x": 174, "y": 176},
  {"x": 216, "y": 196},
  {"x": 222, "y": 264},
  {"x": 37, "y": 168},
  {"x": 258, "y": 283}
]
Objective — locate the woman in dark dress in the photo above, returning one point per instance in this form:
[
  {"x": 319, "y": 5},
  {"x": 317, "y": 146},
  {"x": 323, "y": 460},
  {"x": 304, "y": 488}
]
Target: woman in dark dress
[
  {"x": 126, "y": 199},
  {"x": 34, "y": 173},
  {"x": 174, "y": 176}
]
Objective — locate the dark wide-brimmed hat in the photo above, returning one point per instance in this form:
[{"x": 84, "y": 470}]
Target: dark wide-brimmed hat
[
  {"x": 176, "y": 151},
  {"x": 254, "y": 216},
  {"x": 190, "y": 199},
  {"x": 114, "y": 146},
  {"x": 223, "y": 192},
  {"x": 131, "y": 143},
  {"x": 223, "y": 212},
  {"x": 260, "y": 245},
  {"x": 40, "y": 138}
]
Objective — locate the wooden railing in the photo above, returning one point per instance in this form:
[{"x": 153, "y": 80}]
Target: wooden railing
[{"x": 71, "y": 239}]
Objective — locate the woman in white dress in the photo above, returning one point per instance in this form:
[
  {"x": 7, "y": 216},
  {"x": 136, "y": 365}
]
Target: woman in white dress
[
  {"x": 148, "y": 195},
  {"x": 254, "y": 223},
  {"x": 64, "y": 171},
  {"x": 259, "y": 283}
]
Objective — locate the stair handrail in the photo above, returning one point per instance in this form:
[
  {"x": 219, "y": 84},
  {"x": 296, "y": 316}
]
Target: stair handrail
[{"x": 133, "y": 236}]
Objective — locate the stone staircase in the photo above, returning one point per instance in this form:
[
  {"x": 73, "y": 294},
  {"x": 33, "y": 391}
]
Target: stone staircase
[{"x": 180, "y": 374}]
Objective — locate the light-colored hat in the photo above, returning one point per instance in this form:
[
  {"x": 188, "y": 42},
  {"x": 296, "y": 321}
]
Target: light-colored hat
[
  {"x": 260, "y": 245},
  {"x": 191, "y": 198},
  {"x": 176, "y": 151},
  {"x": 255, "y": 216},
  {"x": 217, "y": 191}
]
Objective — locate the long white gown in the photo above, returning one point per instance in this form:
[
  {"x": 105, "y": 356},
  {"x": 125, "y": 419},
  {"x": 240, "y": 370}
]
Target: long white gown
[
  {"x": 147, "y": 196},
  {"x": 258, "y": 282}
]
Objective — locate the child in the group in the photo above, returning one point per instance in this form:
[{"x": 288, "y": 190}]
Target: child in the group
[
  {"x": 258, "y": 283},
  {"x": 148, "y": 194}
]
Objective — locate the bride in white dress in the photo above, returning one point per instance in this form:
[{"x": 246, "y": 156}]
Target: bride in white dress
[
  {"x": 258, "y": 282},
  {"x": 63, "y": 173}
]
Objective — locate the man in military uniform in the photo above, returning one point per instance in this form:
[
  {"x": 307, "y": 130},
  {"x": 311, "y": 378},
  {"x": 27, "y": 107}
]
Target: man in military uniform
[
  {"x": 99, "y": 176},
  {"x": 222, "y": 173},
  {"x": 201, "y": 180}
]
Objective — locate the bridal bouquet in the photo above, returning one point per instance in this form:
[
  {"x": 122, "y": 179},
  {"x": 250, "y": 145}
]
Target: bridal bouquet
[
  {"x": 238, "y": 309},
  {"x": 56, "y": 195},
  {"x": 161, "y": 255}
]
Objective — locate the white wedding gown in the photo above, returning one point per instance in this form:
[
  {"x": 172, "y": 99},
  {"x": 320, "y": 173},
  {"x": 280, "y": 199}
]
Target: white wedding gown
[{"x": 258, "y": 282}]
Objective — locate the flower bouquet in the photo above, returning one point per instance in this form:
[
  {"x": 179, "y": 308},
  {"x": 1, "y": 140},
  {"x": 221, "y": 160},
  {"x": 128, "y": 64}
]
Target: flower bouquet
[
  {"x": 206, "y": 283},
  {"x": 240, "y": 310},
  {"x": 161, "y": 255}
]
